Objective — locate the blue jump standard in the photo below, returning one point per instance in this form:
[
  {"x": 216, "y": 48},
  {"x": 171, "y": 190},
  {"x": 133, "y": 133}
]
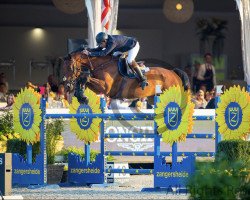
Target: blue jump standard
[
  {"x": 24, "y": 171},
  {"x": 165, "y": 175}
]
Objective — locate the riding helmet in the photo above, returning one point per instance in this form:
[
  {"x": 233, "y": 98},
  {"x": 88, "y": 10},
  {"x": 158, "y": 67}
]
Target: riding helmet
[{"x": 101, "y": 37}]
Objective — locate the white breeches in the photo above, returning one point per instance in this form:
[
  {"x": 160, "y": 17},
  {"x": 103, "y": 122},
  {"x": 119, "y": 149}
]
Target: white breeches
[{"x": 132, "y": 53}]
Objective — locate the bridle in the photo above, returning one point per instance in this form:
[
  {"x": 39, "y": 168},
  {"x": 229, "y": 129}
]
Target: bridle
[
  {"x": 78, "y": 71},
  {"x": 91, "y": 69}
]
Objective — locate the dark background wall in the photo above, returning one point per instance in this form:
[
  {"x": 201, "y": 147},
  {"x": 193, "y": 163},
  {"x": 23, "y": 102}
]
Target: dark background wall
[{"x": 159, "y": 38}]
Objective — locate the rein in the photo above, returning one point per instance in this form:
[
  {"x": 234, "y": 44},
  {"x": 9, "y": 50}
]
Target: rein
[
  {"x": 101, "y": 66},
  {"x": 90, "y": 63}
]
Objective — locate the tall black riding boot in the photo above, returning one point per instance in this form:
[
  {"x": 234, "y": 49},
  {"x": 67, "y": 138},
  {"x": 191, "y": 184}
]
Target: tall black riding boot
[{"x": 143, "y": 79}]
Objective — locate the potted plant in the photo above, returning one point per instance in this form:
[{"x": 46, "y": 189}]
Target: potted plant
[
  {"x": 53, "y": 135},
  {"x": 211, "y": 33}
]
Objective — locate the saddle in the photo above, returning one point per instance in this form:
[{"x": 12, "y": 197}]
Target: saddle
[{"x": 126, "y": 71}]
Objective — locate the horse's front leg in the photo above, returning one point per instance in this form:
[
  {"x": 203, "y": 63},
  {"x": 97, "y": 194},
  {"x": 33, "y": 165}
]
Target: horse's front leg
[{"x": 79, "y": 90}]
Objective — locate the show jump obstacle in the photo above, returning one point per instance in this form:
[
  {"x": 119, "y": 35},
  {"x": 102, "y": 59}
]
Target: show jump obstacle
[{"x": 173, "y": 122}]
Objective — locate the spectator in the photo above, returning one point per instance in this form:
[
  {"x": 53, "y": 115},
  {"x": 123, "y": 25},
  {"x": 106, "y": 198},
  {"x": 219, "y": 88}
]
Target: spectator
[
  {"x": 53, "y": 83},
  {"x": 47, "y": 90},
  {"x": 199, "y": 100},
  {"x": 48, "y": 94},
  {"x": 196, "y": 82},
  {"x": 203, "y": 87},
  {"x": 3, "y": 92},
  {"x": 10, "y": 102},
  {"x": 210, "y": 100},
  {"x": 206, "y": 73},
  {"x": 209, "y": 95},
  {"x": 60, "y": 95},
  {"x": 211, "y": 104}
]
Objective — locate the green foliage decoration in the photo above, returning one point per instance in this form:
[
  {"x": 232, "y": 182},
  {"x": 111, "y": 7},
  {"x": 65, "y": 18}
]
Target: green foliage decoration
[
  {"x": 226, "y": 178},
  {"x": 219, "y": 180},
  {"x": 234, "y": 150},
  {"x": 53, "y": 131}
]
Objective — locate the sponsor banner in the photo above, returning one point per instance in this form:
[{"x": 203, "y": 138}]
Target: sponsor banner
[
  {"x": 142, "y": 144},
  {"x": 129, "y": 144}
]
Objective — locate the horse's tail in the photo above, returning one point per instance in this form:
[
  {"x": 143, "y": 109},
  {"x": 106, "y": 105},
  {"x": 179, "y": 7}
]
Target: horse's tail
[{"x": 184, "y": 78}]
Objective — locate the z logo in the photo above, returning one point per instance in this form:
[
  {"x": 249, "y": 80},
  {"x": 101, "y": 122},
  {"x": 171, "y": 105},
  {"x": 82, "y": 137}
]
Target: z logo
[
  {"x": 233, "y": 116},
  {"x": 84, "y": 121},
  {"x": 26, "y": 116},
  {"x": 173, "y": 116}
]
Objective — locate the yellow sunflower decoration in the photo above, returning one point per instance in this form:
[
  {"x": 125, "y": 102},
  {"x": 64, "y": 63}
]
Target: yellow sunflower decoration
[
  {"x": 27, "y": 115},
  {"x": 86, "y": 129},
  {"x": 174, "y": 114},
  {"x": 233, "y": 113}
]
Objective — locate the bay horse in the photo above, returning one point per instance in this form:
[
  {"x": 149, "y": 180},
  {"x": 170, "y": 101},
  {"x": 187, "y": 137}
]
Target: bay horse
[{"x": 105, "y": 77}]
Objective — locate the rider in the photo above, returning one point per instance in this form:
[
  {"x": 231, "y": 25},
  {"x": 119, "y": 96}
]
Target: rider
[{"x": 109, "y": 44}]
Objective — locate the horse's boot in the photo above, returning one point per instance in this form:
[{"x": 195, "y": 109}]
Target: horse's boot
[
  {"x": 143, "y": 79},
  {"x": 79, "y": 94},
  {"x": 82, "y": 99}
]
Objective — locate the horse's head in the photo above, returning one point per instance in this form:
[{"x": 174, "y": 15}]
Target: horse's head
[{"x": 75, "y": 65}]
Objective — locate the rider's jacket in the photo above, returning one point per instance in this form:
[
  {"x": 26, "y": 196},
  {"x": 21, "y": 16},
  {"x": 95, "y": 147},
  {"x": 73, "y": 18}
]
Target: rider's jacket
[{"x": 114, "y": 43}]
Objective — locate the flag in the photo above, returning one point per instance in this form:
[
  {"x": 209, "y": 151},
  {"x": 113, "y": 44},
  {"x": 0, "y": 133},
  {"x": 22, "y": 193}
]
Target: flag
[
  {"x": 106, "y": 14},
  {"x": 102, "y": 16}
]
